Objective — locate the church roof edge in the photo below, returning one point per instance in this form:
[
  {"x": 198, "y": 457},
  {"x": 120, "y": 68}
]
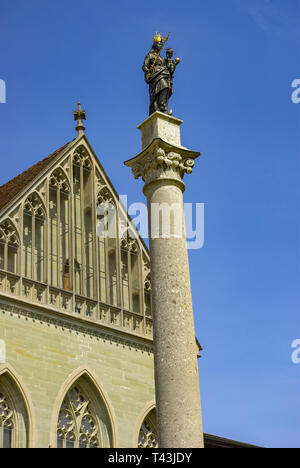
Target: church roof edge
[{"x": 13, "y": 187}]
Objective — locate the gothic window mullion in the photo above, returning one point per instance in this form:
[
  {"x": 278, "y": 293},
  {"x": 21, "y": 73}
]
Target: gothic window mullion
[
  {"x": 119, "y": 266},
  {"x": 60, "y": 230},
  {"x": 106, "y": 261},
  {"x": 94, "y": 243},
  {"x": 79, "y": 419},
  {"x": 45, "y": 250},
  {"x": 75, "y": 428},
  {"x": 141, "y": 290},
  {"x": 58, "y": 239},
  {"x": 46, "y": 241},
  {"x": 140, "y": 281},
  {"x": 33, "y": 246},
  {"x": 27, "y": 242},
  {"x": 118, "y": 261},
  {"x": 83, "y": 263},
  {"x": 6, "y": 423},
  {"x": 21, "y": 246},
  {"x": 5, "y": 255},
  {"x": 71, "y": 241},
  {"x": 129, "y": 279}
]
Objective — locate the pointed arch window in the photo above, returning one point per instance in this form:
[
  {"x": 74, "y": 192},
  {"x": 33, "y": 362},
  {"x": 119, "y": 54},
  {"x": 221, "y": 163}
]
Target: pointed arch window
[
  {"x": 6, "y": 422},
  {"x": 83, "y": 420},
  {"x": 77, "y": 424},
  {"x": 148, "y": 431},
  {"x": 13, "y": 415},
  {"x": 33, "y": 261},
  {"x": 131, "y": 274},
  {"x": 107, "y": 248},
  {"x": 9, "y": 248},
  {"x": 84, "y": 219},
  {"x": 59, "y": 230}
]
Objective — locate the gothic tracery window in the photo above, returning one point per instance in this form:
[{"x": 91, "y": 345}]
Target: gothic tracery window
[
  {"x": 131, "y": 274},
  {"x": 6, "y": 422},
  {"x": 9, "y": 248},
  {"x": 148, "y": 433},
  {"x": 59, "y": 230},
  {"x": 33, "y": 238},
  {"x": 84, "y": 222},
  {"x": 107, "y": 248},
  {"x": 77, "y": 424},
  {"x": 60, "y": 245},
  {"x": 13, "y": 414}
]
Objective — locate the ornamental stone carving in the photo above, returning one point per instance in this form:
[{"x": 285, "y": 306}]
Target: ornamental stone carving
[
  {"x": 6, "y": 414},
  {"x": 77, "y": 425},
  {"x": 82, "y": 158},
  {"x": 100, "y": 182},
  {"x": 148, "y": 432},
  {"x": 104, "y": 196},
  {"x": 34, "y": 206},
  {"x": 8, "y": 234},
  {"x": 162, "y": 164},
  {"x": 127, "y": 243},
  {"x": 59, "y": 181}
]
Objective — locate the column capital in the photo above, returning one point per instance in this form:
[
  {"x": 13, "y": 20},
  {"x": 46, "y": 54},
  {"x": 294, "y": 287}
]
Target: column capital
[{"x": 162, "y": 156}]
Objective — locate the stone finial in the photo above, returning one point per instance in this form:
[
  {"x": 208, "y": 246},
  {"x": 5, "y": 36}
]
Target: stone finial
[{"x": 80, "y": 115}]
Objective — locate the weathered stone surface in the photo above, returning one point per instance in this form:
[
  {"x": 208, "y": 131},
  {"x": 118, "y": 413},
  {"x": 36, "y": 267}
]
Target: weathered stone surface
[
  {"x": 162, "y": 166},
  {"x": 165, "y": 127},
  {"x": 45, "y": 354}
]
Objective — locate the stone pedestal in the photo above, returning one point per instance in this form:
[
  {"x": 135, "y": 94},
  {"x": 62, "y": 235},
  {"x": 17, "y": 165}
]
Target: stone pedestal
[{"x": 162, "y": 165}]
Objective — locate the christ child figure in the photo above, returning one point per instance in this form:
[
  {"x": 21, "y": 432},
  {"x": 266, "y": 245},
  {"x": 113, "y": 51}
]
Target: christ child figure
[{"x": 171, "y": 64}]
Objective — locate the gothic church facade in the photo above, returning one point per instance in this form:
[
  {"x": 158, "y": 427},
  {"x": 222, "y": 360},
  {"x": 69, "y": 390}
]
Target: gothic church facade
[{"x": 76, "y": 359}]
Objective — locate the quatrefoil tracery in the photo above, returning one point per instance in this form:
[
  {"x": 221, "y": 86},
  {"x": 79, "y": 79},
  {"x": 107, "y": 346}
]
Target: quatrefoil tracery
[
  {"x": 34, "y": 206},
  {"x": 81, "y": 158},
  {"x": 8, "y": 234},
  {"x": 6, "y": 414},
  {"x": 147, "y": 436},
  {"x": 76, "y": 421},
  {"x": 130, "y": 244},
  {"x": 104, "y": 196},
  {"x": 59, "y": 181}
]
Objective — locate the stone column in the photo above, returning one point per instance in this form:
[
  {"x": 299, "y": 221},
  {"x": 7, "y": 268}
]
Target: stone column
[{"x": 162, "y": 165}]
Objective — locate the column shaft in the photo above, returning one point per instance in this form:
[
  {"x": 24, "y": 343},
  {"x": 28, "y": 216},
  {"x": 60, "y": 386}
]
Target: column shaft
[
  {"x": 175, "y": 351},
  {"x": 162, "y": 165}
]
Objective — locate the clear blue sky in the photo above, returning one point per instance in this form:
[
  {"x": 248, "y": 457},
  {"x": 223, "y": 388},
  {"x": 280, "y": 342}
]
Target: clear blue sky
[{"x": 233, "y": 91}]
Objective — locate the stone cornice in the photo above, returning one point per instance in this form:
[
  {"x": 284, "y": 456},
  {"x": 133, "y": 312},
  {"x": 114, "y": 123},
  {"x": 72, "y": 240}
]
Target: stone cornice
[
  {"x": 166, "y": 117},
  {"x": 72, "y": 325}
]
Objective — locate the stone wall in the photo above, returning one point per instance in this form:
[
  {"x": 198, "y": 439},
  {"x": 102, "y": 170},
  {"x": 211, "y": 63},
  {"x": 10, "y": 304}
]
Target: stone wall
[{"x": 46, "y": 354}]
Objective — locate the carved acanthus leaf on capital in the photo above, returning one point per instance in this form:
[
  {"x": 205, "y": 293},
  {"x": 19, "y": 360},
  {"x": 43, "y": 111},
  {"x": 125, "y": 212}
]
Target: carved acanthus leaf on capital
[{"x": 161, "y": 164}]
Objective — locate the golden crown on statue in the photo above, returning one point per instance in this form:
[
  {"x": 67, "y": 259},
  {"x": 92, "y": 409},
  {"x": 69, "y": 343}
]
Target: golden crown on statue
[{"x": 158, "y": 37}]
